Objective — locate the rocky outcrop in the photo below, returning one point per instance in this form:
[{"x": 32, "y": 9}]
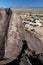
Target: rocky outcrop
[
  {"x": 15, "y": 43},
  {"x": 3, "y": 27},
  {"x": 34, "y": 43},
  {"x": 11, "y": 34}
]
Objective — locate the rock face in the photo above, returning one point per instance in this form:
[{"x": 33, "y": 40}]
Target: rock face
[
  {"x": 34, "y": 43},
  {"x": 4, "y": 21},
  {"x": 11, "y": 34},
  {"x": 3, "y": 27},
  {"x": 14, "y": 43}
]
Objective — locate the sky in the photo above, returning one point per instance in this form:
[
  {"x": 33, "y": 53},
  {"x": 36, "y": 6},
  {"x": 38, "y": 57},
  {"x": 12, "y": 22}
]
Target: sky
[{"x": 21, "y": 3}]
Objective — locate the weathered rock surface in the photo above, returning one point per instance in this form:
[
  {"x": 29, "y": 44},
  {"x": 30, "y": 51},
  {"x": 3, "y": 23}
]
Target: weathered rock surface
[
  {"x": 11, "y": 34},
  {"x": 3, "y": 27},
  {"x": 15, "y": 42},
  {"x": 34, "y": 43}
]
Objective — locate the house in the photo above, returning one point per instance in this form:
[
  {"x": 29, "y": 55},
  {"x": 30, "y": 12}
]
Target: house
[
  {"x": 37, "y": 21},
  {"x": 39, "y": 24}
]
